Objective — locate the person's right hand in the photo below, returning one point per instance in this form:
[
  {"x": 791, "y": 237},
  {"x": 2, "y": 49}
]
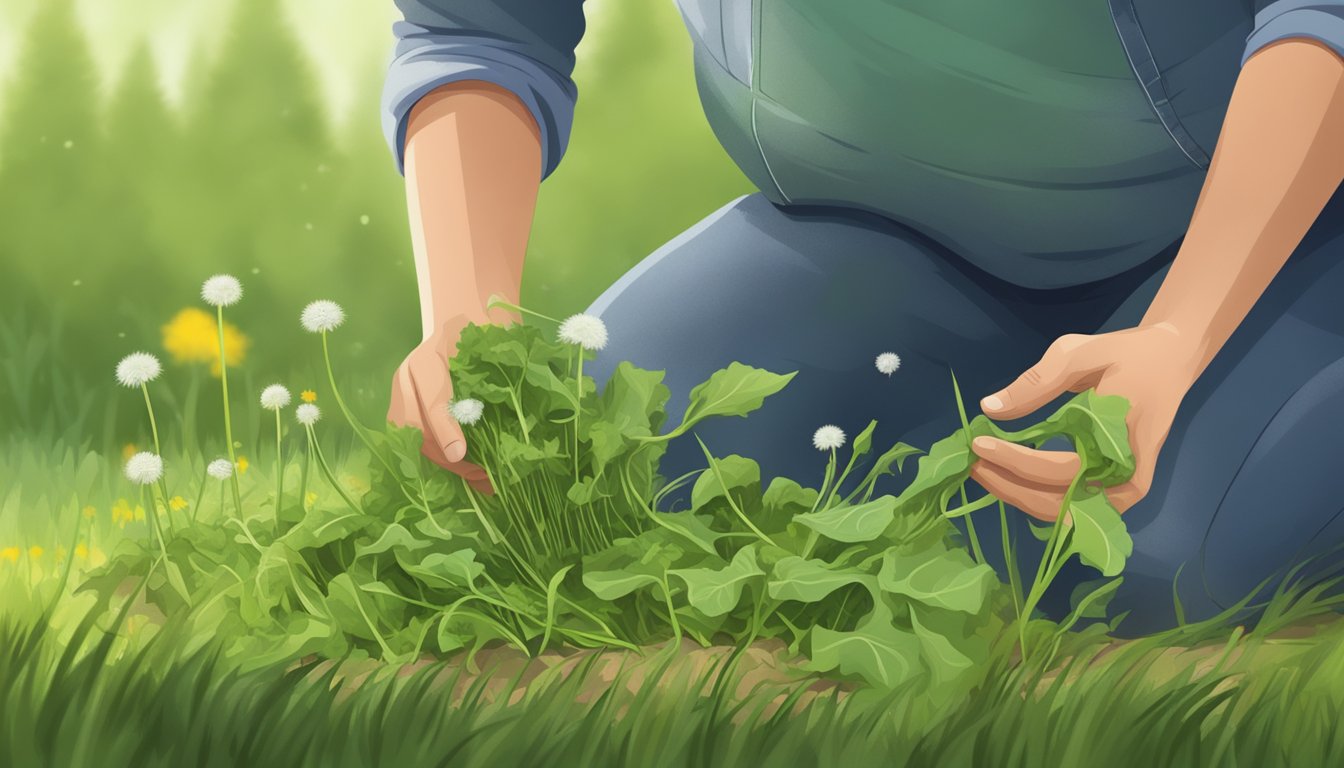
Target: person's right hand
[{"x": 421, "y": 392}]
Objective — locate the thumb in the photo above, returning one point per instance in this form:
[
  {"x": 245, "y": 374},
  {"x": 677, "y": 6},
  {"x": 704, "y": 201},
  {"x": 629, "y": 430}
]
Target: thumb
[{"x": 1056, "y": 371}]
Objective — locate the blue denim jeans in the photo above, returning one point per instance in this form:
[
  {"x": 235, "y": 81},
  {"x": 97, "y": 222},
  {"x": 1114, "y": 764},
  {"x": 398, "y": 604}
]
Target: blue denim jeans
[{"x": 1250, "y": 481}]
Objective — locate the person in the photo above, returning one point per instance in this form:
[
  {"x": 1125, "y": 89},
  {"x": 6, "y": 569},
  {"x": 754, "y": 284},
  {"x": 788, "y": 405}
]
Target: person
[{"x": 1134, "y": 196}]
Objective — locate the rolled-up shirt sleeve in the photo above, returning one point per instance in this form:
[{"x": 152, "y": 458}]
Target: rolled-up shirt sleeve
[
  {"x": 523, "y": 46},
  {"x": 1289, "y": 19}
]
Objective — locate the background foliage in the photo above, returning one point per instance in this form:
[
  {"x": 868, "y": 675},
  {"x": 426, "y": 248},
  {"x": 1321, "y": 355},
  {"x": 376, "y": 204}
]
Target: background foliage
[{"x": 116, "y": 201}]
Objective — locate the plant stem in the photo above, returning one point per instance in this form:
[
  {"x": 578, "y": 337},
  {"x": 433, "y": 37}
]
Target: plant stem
[
  {"x": 326, "y": 470},
  {"x": 200, "y": 497},
  {"x": 303, "y": 474},
  {"x": 228, "y": 421},
  {"x": 158, "y": 448},
  {"x": 148, "y": 496},
  {"x": 279, "y": 471},
  {"x": 578, "y": 409}
]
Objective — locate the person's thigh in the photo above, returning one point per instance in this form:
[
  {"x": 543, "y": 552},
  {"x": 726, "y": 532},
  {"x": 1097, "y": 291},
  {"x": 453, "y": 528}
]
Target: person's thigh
[
  {"x": 1251, "y": 478},
  {"x": 820, "y": 296}
]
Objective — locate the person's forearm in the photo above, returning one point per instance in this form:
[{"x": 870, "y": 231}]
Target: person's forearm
[
  {"x": 1278, "y": 160},
  {"x": 473, "y": 165}
]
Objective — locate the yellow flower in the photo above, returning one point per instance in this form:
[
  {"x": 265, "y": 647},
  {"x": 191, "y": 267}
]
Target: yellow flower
[
  {"x": 128, "y": 450},
  {"x": 177, "y": 503},
  {"x": 242, "y": 464},
  {"x": 310, "y": 499},
  {"x": 35, "y": 552},
  {"x": 192, "y": 336},
  {"x": 82, "y": 551},
  {"x": 139, "y": 512},
  {"x": 10, "y": 553},
  {"x": 90, "y": 512},
  {"x": 308, "y": 396},
  {"x": 122, "y": 513}
]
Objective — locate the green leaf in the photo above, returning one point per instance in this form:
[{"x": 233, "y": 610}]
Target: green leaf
[
  {"x": 738, "y": 473},
  {"x": 852, "y": 524},
  {"x": 1100, "y": 538},
  {"x": 716, "y": 591},
  {"x": 395, "y": 536},
  {"x": 947, "y": 662},
  {"x": 733, "y": 391},
  {"x": 586, "y": 491},
  {"x": 876, "y": 651},
  {"x": 863, "y": 442},
  {"x": 609, "y": 585},
  {"x": 786, "y": 496},
  {"x": 810, "y": 581},
  {"x": 944, "y": 579},
  {"x": 455, "y": 570}
]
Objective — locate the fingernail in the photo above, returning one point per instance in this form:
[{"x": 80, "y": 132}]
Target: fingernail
[
  {"x": 982, "y": 444},
  {"x": 991, "y": 403},
  {"x": 455, "y": 450}
]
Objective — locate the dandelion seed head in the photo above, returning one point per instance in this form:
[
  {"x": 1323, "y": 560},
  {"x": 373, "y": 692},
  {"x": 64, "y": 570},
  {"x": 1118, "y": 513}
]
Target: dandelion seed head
[
  {"x": 137, "y": 369},
  {"x": 144, "y": 468},
  {"x": 828, "y": 438},
  {"x": 220, "y": 469},
  {"x": 467, "y": 410},
  {"x": 307, "y": 414},
  {"x": 274, "y": 397},
  {"x": 888, "y": 362},
  {"x": 222, "y": 291},
  {"x": 587, "y": 331},
  {"x": 322, "y": 315}
]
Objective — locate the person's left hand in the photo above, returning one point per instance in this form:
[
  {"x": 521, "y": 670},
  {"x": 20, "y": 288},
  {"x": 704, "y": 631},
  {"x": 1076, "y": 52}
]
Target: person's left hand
[{"x": 1152, "y": 366}]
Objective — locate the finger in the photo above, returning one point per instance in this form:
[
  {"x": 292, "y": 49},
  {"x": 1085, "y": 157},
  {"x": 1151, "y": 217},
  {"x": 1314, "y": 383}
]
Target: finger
[
  {"x": 1148, "y": 438},
  {"x": 1056, "y": 371},
  {"x": 443, "y": 435},
  {"x": 1040, "y": 503},
  {"x": 402, "y": 410},
  {"x": 1053, "y": 468}
]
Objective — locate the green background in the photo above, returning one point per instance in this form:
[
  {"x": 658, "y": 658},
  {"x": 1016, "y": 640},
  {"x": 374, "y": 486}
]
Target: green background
[{"x": 143, "y": 149}]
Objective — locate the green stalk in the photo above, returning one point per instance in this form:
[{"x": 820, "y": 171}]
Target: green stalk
[
  {"x": 148, "y": 497},
  {"x": 200, "y": 497},
  {"x": 326, "y": 470},
  {"x": 228, "y": 421},
  {"x": 578, "y": 409},
  {"x": 279, "y": 471},
  {"x": 158, "y": 448},
  {"x": 303, "y": 475}
]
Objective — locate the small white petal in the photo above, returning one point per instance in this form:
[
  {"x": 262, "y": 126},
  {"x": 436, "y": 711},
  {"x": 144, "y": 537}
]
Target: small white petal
[
  {"x": 222, "y": 291},
  {"x": 888, "y": 362},
  {"x": 466, "y": 411},
  {"x": 828, "y": 438},
  {"x": 274, "y": 397},
  {"x": 307, "y": 414},
  {"x": 220, "y": 469},
  {"x": 322, "y": 315},
  {"x": 138, "y": 368},
  {"x": 587, "y": 331},
  {"x": 144, "y": 468}
]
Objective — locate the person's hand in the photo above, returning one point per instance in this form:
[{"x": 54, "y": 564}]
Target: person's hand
[
  {"x": 421, "y": 392},
  {"x": 1152, "y": 366}
]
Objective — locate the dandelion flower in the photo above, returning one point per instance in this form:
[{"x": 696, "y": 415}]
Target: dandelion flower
[
  {"x": 828, "y": 438},
  {"x": 82, "y": 551},
  {"x": 888, "y": 362},
  {"x": 321, "y": 316},
  {"x": 192, "y": 336},
  {"x": 220, "y": 469},
  {"x": 128, "y": 450},
  {"x": 10, "y": 553},
  {"x": 138, "y": 369},
  {"x": 242, "y": 464},
  {"x": 222, "y": 291},
  {"x": 35, "y": 552},
  {"x": 144, "y": 468},
  {"x": 90, "y": 512},
  {"x": 466, "y": 411},
  {"x": 587, "y": 331},
  {"x": 308, "y": 396},
  {"x": 307, "y": 414},
  {"x": 177, "y": 503},
  {"x": 274, "y": 397}
]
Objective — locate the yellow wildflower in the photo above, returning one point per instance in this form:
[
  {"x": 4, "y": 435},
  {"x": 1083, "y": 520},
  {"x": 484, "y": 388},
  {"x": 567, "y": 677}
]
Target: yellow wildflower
[
  {"x": 90, "y": 512},
  {"x": 128, "y": 450},
  {"x": 242, "y": 464},
  {"x": 122, "y": 513},
  {"x": 82, "y": 551},
  {"x": 139, "y": 512},
  {"x": 35, "y": 552},
  {"x": 177, "y": 503},
  {"x": 308, "y": 396},
  {"x": 192, "y": 336},
  {"x": 10, "y": 553},
  {"x": 310, "y": 499}
]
